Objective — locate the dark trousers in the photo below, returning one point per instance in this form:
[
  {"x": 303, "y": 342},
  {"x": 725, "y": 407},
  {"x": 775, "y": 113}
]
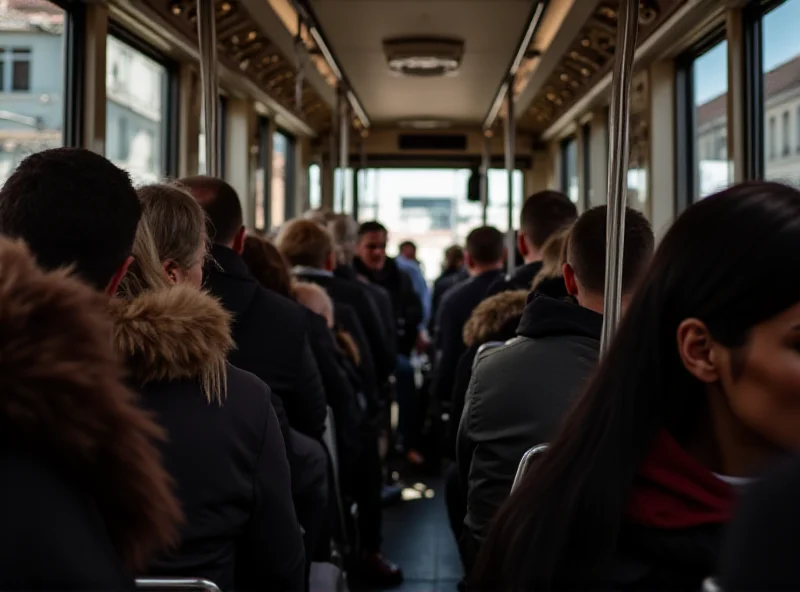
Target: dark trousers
[
  {"x": 309, "y": 464},
  {"x": 456, "y": 502},
  {"x": 367, "y": 485},
  {"x": 408, "y": 416}
]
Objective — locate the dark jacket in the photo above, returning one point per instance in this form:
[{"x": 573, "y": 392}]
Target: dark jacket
[
  {"x": 357, "y": 295},
  {"x": 521, "y": 279},
  {"x": 443, "y": 283},
  {"x": 84, "y": 498},
  {"x": 517, "y": 397},
  {"x": 406, "y": 305},
  {"x": 379, "y": 295},
  {"x": 272, "y": 340},
  {"x": 226, "y": 454},
  {"x": 456, "y": 308}
]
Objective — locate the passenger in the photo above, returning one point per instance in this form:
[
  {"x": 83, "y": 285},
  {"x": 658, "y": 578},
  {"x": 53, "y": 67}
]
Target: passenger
[
  {"x": 225, "y": 449},
  {"x": 85, "y": 500},
  {"x": 485, "y": 257},
  {"x": 507, "y": 410},
  {"x": 697, "y": 391},
  {"x": 760, "y": 551},
  {"x": 542, "y": 215},
  {"x": 309, "y": 250},
  {"x": 550, "y": 279},
  {"x": 271, "y": 337},
  {"x": 453, "y": 272},
  {"x": 371, "y": 262},
  {"x": 407, "y": 261},
  {"x": 363, "y": 469}
]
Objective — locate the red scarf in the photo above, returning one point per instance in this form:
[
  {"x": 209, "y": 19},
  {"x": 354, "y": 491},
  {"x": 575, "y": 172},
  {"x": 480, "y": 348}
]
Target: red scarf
[{"x": 672, "y": 490}]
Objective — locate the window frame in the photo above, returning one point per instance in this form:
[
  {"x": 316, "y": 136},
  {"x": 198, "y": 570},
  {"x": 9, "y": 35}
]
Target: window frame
[
  {"x": 564, "y": 148},
  {"x": 686, "y": 173},
  {"x": 586, "y": 138},
  {"x": 170, "y": 96}
]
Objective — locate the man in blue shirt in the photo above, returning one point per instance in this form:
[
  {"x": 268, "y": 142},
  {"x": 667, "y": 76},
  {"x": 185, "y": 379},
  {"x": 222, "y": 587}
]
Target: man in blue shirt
[{"x": 407, "y": 261}]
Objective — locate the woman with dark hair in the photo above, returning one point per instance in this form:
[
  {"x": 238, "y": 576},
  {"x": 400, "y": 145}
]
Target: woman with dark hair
[{"x": 698, "y": 392}]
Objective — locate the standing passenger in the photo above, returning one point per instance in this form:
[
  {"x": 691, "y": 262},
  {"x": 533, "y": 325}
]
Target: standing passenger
[
  {"x": 697, "y": 393},
  {"x": 408, "y": 262}
]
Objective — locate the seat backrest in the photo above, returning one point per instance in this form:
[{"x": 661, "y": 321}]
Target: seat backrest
[
  {"x": 525, "y": 463},
  {"x": 170, "y": 584},
  {"x": 486, "y": 347}
]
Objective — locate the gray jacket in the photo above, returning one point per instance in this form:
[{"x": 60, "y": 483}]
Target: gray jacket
[{"x": 517, "y": 397}]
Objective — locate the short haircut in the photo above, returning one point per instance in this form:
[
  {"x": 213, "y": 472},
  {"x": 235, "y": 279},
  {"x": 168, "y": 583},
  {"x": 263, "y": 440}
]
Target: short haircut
[
  {"x": 72, "y": 207},
  {"x": 453, "y": 255},
  {"x": 586, "y": 251},
  {"x": 544, "y": 214},
  {"x": 222, "y": 206},
  {"x": 372, "y": 226},
  {"x": 485, "y": 245},
  {"x": 407, "y": 243},
  {"x": 304, "y": 242}
]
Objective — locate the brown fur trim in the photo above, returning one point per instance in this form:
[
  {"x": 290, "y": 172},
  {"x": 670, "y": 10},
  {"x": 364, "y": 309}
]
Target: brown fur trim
[
  {"x": 173, "y": 334},
  {"x": 492, "y": 314},
  {"x": 62, "y": 392}
]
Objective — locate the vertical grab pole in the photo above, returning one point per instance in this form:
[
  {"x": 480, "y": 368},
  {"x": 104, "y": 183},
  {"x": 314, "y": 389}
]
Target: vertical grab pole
[
  {"x": 484, "y": 187},
  {"x": 344, "y": 146},
  {"x": 510, "y": 138},
  {"x": 619, "y": 146},
  {"x": 207, "y": 36}
]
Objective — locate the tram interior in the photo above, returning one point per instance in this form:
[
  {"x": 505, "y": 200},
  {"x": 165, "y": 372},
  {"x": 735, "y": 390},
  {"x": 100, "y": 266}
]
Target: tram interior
[{"x": 433, "y": 117}]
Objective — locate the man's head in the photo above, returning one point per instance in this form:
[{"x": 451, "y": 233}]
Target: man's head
[
  {"x": 543, "y": 214},
  {"x": 73, "y": 207},
  {"x": 223, "y": 210},
  {"x": 408, "y": 250},
  {"x": 485, "y": 250},
  {"x": 453, "y": 258},
  {"x": 344, "y": 232},
  {"x": 585, "y": 269},
  {"x": 371, "y": 247},
  {"x": 305, "y": 242}
]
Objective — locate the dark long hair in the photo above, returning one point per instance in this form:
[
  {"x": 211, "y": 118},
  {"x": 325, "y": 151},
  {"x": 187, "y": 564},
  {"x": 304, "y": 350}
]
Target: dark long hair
[
  {"x": 268, "y": 266},
  {"x": 732, "y": 261}
]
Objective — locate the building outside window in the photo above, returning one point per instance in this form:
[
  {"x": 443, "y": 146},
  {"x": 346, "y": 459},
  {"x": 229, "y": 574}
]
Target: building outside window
[
  {"x": 135, "y": 90},
  {"x": 31, "y": 74},
  {"x": 570, "y": 181},
  {"x": 785, "y": 134},
  {"x": 280, "y": 150}
]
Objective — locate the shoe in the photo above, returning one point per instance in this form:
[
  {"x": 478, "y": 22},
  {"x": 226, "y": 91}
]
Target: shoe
[{"x": 376, "y": 570}]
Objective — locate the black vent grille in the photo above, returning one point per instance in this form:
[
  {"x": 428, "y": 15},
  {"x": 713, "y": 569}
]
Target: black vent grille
[{"x": 432, "y": 142}]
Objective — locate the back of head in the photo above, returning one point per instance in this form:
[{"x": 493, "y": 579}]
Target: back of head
[
  {"x": 267, "y": 265},
  {"x": 177, "y": 222},
  {"x": 485, "y": 245},
  {"x": 306, "y": 243},
  {"x": 554, "y": 255},
  {"x": 586, "y": 250},
  {"x": 711, "y": 267},
  {"x": 72, "y": 207},
  {"x": 545, "y": 213},
  {"x": 344, "y": 232},
  {"x": 319, "y": 215},
  {"x": 453, "y": 257},
  {"x": 221, "y": 204}
]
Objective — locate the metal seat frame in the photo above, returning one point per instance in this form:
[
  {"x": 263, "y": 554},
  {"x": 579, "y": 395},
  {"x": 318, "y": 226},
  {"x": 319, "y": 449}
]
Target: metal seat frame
[{"x": 169, "y": 584}]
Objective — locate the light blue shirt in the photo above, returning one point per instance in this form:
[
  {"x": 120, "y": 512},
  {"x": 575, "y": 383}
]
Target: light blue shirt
[{"x": 411, "y": 267}]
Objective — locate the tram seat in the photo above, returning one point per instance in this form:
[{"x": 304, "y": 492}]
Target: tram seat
[
  {"x": 525, "y": 463},
  {"x": 485, "y": 347},
  {"x": 175, "y": 584},
  {"x": 329, "y": 441}
]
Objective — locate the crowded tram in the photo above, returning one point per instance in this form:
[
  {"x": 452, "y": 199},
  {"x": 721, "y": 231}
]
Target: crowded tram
[{"x": 331, "y": 295}]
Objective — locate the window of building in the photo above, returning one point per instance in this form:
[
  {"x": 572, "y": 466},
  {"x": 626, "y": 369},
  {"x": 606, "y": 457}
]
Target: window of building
[
  {"x": 30, "y": 122},
  {"x": 136, "y": 91},
  {"x": 437, "y": 213},
  {"x": 21, "y": 69},
  {"x": 709, "y": 116},
  {"x": 780, "y": 81},
  {"x": 314, "y": 186},
  {"x": 570, "y": 181}
]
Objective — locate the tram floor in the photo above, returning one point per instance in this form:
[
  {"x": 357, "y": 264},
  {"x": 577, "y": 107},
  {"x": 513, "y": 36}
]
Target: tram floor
[{"x": 417, "y": 536}]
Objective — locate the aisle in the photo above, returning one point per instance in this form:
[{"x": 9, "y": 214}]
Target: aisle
[{"x": 417, "y": 537}]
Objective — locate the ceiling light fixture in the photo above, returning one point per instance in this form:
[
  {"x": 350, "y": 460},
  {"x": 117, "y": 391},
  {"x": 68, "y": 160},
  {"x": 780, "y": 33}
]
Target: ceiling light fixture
[{"x": 424, "y": 56}]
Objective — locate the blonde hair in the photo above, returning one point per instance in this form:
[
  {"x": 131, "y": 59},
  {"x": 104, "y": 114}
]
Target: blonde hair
[
  {"x": 315, "y": 299},
  {"x": 145, "y": 272},
  {"x": 554, "y": 255},
  {"x": 304, "y": 242}
]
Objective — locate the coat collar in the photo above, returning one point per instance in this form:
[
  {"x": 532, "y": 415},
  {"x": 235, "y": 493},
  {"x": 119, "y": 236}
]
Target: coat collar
[{"x": 495, "y": 315}]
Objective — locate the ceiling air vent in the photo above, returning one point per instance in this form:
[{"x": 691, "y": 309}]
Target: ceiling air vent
[{"x": 424, "y": 56}]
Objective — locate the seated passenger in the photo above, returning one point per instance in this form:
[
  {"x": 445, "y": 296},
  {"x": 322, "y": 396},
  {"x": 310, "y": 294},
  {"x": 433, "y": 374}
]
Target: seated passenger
[
  {"x": 84, "y": 500},
  {"x": 696, "y": 394},
  {"x": 272, "y": 341},
  {"x": 520, "y": 391},
  {"x": 485, "y": 256},
  {"x": 543, "y": 214},
  {"x": 225, "y": 448},
  {"x": 309, "y": 249}
]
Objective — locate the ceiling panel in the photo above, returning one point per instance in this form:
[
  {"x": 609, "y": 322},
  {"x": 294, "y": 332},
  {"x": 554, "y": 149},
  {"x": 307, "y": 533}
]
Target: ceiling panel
[{"x": 491, "y": 29}]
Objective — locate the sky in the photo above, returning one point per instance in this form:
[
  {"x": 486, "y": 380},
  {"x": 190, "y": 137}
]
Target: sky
[{"x": 780, "y": 44}]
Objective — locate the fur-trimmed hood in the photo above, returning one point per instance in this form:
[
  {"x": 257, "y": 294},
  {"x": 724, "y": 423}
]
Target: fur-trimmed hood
[
  {"x": 62, "y": 393},
  {"x": 493, "y": 316},
  {"x": 174, "y": 334}
]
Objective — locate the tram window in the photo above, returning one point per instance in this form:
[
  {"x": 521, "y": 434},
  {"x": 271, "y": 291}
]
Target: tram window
[
  {"x": 343, "y": 195},
  {"x": 780, "y": 53},
  {"x": 710, "y": 103},
  {"x": 135, "y": 91},
  {"x": 31, "y": 66},
  {"x": 570, "y": 181},
  {"x": 314, "y": 186},
  {"x": 279, "y": 178}
]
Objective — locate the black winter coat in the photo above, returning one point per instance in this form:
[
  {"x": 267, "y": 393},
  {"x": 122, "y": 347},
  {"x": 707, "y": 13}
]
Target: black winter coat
[{"x": 225, "y": 449}]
